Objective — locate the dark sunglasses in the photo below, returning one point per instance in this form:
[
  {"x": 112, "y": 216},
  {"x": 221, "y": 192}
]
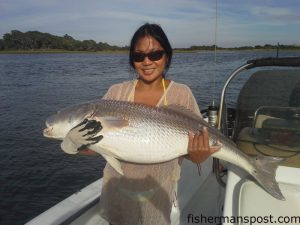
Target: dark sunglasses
[{"x": 153, "y": 56}]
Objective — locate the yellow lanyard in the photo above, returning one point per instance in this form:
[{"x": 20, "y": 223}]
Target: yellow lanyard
[
  {"x": 164, "y": 86},
  {"x": 131, "y": 95}
]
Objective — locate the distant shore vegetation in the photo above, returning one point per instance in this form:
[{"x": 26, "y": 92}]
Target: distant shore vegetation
[{"x": 35, "y": 41}]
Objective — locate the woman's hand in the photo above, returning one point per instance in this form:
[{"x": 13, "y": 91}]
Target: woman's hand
[
  {"x": 82, "y": 136},
  {"x": 198, "y": 147}
]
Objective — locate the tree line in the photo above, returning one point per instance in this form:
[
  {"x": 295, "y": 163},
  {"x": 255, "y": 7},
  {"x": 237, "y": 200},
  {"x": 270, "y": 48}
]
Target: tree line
[
  {"x": 256, "y": 47},
  {"x": 35, "y": 40}
]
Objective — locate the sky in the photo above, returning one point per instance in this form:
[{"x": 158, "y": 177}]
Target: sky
[{"x": 186, "y": 22}]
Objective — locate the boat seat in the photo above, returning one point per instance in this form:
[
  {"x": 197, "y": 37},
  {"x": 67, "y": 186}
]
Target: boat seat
[{"x": 275, "y": 132}]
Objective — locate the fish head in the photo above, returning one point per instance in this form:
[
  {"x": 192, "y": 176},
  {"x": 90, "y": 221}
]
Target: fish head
[{"x": 59, "y": 124}]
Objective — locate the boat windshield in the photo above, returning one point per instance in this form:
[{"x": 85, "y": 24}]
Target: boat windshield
[
  {"x": 278, "y": 126},
  {"x": 268, "y": 115}
]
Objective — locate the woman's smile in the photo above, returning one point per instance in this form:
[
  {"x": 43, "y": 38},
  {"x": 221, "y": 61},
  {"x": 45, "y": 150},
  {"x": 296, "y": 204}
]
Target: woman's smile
[{"x": 148, "y": 71}]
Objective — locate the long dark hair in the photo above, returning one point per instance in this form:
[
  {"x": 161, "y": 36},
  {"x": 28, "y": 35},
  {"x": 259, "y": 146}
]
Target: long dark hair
[{"x": 158, "y": 34}]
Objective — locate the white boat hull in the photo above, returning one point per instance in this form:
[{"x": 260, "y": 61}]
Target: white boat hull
[{"x": 245, "y": 200}]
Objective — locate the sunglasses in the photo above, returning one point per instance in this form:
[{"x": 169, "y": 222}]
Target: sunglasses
[{"x": 153, "y": 56}]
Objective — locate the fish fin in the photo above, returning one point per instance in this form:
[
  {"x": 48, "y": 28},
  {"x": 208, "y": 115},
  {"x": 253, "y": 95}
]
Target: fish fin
[
  {"x": 182, "y": 110},
  {"x": 265, "y": 173},
  {"x": 114, "y": 163},
  {"x": 109, "y": 157}
]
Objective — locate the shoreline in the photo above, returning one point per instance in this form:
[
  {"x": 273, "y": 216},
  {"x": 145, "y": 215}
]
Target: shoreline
[{"x": 59, "y": 51}]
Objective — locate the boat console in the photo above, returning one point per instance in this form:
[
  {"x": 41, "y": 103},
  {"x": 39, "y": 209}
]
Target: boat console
[{"x": 267, "y": 123}]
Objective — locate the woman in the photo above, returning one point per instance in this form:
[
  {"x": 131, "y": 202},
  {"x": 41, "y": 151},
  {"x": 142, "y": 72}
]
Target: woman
[{"x": 145, "y": 193}]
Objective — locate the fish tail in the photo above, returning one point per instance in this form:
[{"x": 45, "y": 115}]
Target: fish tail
[{"x": 265, "y": 172}]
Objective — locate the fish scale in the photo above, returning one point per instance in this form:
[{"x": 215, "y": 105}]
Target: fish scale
[{"x": 142, "y": 134}]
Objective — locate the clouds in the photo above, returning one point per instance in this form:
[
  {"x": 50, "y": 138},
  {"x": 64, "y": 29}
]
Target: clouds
[
  {"x": 187, "y": 22},
  {"x": 259, "y": 22},
  {"x": 276, "y": 14}
]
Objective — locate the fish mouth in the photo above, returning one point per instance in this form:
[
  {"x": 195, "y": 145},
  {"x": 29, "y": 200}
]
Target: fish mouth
[{"x": 47, "y": 132}]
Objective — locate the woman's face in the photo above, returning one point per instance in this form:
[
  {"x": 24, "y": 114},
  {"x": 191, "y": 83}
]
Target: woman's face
[{"x": 147, "y": 69}]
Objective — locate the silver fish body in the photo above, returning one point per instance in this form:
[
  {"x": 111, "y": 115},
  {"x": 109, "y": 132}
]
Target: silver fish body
[{"x": 142, "y": 134}]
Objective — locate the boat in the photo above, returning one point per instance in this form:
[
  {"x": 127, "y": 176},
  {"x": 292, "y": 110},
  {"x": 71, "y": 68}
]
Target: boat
[{"x": 265, "y": 121}]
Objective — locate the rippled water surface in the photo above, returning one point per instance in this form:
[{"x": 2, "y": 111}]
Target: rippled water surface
[{"x": 34, "y": 173}]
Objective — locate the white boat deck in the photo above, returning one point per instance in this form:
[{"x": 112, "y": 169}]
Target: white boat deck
[{"x": 206, "y": 203}]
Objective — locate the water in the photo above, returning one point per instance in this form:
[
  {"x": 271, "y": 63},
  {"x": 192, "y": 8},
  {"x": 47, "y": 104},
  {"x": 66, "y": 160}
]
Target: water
[{"x": 34, "y": 173}]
